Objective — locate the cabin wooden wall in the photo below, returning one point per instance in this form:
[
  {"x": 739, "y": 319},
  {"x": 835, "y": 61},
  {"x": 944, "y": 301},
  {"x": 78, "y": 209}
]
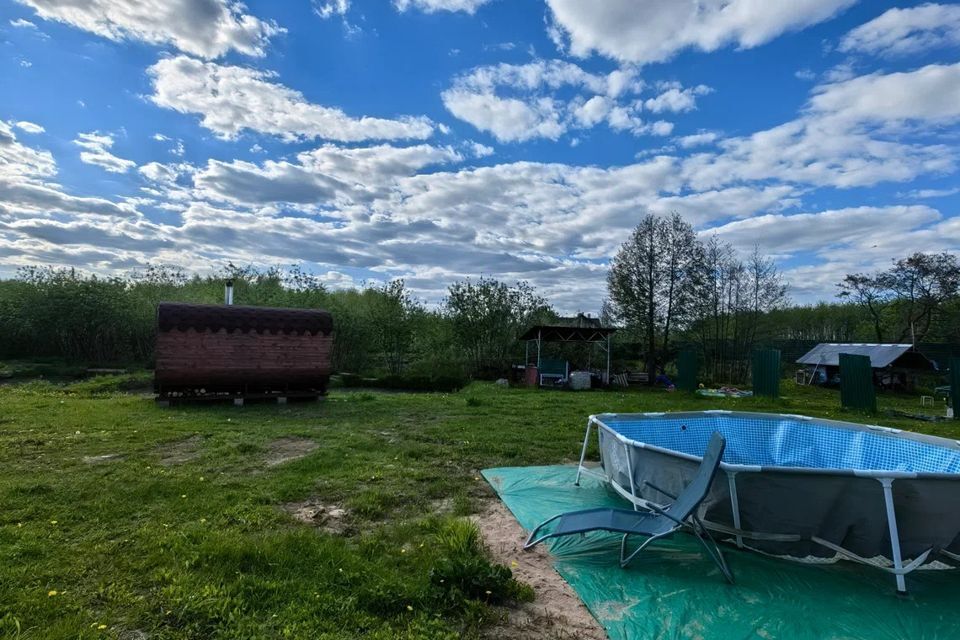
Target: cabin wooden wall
[{"x": 192, "y": 358}]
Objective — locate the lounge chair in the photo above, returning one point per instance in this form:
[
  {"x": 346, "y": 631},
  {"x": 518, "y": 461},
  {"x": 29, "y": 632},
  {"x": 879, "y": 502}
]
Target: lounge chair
[{"x": 656, "y": 523}]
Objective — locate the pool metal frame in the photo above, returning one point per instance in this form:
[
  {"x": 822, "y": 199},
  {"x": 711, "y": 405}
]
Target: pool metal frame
[{"x": 885, "y": 478}]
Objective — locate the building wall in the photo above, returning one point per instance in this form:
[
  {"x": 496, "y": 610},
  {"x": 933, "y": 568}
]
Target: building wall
[{"x": 267, "y": 361}]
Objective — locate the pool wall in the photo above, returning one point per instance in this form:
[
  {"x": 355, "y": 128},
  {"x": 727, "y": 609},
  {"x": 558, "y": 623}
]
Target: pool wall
[{"x": 895, "y": 518}]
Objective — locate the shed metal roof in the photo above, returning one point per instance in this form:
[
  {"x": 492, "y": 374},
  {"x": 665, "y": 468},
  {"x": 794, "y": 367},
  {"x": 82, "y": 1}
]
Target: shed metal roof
[{"x": 881, "y": 355}]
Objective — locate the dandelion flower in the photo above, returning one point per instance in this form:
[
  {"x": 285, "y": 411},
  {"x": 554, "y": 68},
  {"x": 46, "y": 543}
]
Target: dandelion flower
[
  {"x": 101, "y": 626},
  {"x": 489, "y": 592},
  {"x": 513, "y": 563},
  {"x": 409, "y": 608},
  {"x": 183, "y": 495},
  {"x": 52, "y": 592},
  {"x": 53, "y": 522}
]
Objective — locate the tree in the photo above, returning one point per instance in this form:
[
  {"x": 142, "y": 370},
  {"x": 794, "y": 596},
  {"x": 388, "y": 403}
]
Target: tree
[
  {"x": 735, "y": 297},
  {"x": 868, "y": 292},
  {"x": 487, "y": 317},
  {"x": 654, "y": 280},
  {"x": 908, "y": 299},
  {"x": 391, "y": 313}
]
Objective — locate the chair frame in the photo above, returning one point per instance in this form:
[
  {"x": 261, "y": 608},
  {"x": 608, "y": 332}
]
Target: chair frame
[{"x": 651, "y": 511}]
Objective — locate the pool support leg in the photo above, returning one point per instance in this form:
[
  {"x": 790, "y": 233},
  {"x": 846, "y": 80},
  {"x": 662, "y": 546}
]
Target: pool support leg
[
  {"x": 583, "y": 452},
  {"x": 894, "y": 533},
  {"x": 735, "y": 504}
]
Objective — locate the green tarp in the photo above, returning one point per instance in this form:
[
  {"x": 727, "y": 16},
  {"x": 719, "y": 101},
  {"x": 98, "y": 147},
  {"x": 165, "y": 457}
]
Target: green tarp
[{"x": 675, "y": 591}]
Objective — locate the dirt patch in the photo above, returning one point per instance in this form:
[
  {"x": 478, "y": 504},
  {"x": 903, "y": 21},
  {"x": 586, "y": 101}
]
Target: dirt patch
[
  {"x": 180, "y": 451},
  {"x": 326, "y": 517},
  {"x": 107, "y": 457},
  {"x": 288, "y": 449},
  {"x": 556, "y": 613}
]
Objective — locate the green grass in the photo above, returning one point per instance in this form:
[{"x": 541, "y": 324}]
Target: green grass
[{"x": 201, "y": 549}]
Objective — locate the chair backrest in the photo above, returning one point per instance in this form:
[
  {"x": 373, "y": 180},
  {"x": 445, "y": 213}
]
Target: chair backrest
[{"x": 695, "y": 492}]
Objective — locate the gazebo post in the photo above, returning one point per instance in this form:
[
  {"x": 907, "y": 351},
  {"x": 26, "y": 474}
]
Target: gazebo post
[{"x": 606, "y": 380}]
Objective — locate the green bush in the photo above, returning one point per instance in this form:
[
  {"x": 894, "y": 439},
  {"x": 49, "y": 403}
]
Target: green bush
[{"x": 464, "y": 573}]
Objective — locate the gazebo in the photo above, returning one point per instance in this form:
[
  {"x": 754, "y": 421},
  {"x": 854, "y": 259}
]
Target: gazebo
[{"x": 581, "y": 329}]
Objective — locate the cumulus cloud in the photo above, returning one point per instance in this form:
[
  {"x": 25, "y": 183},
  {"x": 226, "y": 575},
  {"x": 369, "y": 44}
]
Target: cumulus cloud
[
  {"x": 205, "y": 28},
  {"x": 29, "y": 127},
  {"x": 930, "y": 94},
  {"x": 676, "y": 99},
  {"x": 324, "y": 176},
  {"x": 432, "y": 6},
  {"x": 232, "y": 99},
  {"x": 902, "y": 32},
  {"x": 853, "y": 133},
  {"x": 522, "y": 102},
  {"x": 697, "y": 139},
  {"x": 96, "y": 151},
  {"x": 644, "y": 32}
]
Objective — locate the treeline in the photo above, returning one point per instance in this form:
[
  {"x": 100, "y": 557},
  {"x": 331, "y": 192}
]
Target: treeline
[
  {"x": 380, "y": 329},
  {"x": 671, "y": 290},
  {"x": 668, "y": 290}
]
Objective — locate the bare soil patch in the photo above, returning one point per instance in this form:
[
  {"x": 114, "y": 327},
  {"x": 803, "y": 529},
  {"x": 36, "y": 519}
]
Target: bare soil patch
[
  {"x": 288, "y": 449},
  {"x": 180, "y": 451},
  {"x": 326, "y": 517},
  {"x": 556, "y": 613}
]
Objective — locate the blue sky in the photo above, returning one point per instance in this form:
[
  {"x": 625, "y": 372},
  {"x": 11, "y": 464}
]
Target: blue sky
[{"x": 439, "y": 139}]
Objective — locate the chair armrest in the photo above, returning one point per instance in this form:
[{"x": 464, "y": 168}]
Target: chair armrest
[{"x": 666, "y": 515}]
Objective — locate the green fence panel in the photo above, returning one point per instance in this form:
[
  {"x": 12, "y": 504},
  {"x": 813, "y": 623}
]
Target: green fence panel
[
  {"x": 856, "y": 383},
  {"x": 766, "y": 373},
  {"x": 688, "y": 369},
  {"x": 955, "y": 387}
]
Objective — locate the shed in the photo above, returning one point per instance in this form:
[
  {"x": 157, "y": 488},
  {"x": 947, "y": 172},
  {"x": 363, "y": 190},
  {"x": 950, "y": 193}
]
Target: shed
[
  {"x": 893, "y": 364},
  {"x": 206, "y": 350}
]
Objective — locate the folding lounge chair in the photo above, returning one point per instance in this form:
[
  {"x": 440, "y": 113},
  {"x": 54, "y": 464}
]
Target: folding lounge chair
[{"x": 656, "y": 523}]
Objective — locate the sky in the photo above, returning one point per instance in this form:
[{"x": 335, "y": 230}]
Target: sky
[{"x": 433, "y": 140}]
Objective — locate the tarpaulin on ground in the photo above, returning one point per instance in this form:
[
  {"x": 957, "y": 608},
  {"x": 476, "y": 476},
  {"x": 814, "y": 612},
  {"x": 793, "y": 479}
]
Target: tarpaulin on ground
[{"x": 673, "y": 590}]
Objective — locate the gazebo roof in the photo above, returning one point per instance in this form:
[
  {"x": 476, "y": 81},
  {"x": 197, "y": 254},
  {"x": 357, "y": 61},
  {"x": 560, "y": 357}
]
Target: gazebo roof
[{"x": 560, "y": 333}]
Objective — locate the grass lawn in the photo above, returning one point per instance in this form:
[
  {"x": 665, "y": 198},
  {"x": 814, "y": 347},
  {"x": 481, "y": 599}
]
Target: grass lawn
[{"x": 119, "y": 517}]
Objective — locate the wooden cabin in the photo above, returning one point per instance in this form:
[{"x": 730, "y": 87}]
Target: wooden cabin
[{"x": 218, "y": 351}]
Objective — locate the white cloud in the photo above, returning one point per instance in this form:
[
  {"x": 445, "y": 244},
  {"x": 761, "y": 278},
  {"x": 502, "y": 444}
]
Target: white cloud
[
  {"x": 902, "y": 32},
  {"x": 853, "y": 133},
  {"x": 29, "y": 127},
  {"x": 676, "y": 99},
  {"x": 232, "y": 99},
  {"x": 522, "y": 102},
  {"x": 328, "y": 8},
  {"x": 432, "y": 6},
  {"x": 96, "y": 152},
  {"x": 478, "y": 150},
  {"x": 698, "y": 139},
  {"x": 645, "y": 32},
  {"x": 924, "y": 194},
  {"x": 20, "y": 23},
  {"x": 326, "y": 175},
  {"x": 930, "y": 94},
  {"x": 205, "y": 28}
]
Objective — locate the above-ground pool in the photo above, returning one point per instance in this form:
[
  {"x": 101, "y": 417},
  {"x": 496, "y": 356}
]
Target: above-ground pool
[{"x": 804, "y": 488}]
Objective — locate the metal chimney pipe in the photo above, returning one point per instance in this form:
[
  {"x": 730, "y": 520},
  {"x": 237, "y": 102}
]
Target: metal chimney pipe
[{"x": 228, "y": 292}]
